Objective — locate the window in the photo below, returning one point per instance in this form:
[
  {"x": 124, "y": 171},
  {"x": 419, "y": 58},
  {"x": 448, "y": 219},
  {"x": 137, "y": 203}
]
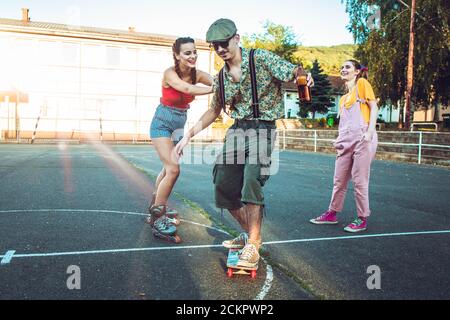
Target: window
[
  {"x": 112, "y": 56},
  {"x": 128, "y": 58},
  {"x": 70, "y": 53},
  {"x": 49, "y": 52},
  {"x": 93, "y": 55}
]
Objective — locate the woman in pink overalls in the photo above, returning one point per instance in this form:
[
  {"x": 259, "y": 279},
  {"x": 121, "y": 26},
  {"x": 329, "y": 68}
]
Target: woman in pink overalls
[{"x": 356, "y": 146}]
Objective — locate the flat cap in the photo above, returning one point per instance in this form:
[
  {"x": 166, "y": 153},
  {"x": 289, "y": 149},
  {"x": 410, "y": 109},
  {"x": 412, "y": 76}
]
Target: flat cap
[{"x": 221, "y": 30}]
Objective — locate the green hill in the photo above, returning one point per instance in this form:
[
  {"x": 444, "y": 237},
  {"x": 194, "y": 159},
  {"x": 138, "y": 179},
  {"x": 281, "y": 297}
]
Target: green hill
[{"x": 330, "y": 58}]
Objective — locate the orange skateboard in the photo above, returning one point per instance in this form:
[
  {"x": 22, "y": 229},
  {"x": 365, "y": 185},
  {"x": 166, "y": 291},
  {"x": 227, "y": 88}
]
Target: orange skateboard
[{"x": 232, "y": 260}]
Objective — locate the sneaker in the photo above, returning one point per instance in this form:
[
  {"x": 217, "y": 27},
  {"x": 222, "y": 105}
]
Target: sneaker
[
  {"x": 249, "y": 256},
  {"x": 358, "y": 225},
  {"x": 237, "y": 243},
  {"x": 328, "y": 217}
]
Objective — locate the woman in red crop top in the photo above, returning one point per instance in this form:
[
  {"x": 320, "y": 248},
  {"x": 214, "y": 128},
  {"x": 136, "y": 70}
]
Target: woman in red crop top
[{"x": 179, "y": 88}]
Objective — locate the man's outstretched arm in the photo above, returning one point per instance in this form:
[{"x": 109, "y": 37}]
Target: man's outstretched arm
[{"x": 205, "y": 121}]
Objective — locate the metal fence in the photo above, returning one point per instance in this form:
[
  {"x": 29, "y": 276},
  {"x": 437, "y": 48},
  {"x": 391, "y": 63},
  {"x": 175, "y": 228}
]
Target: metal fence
[{"x": 417, "y": 146}]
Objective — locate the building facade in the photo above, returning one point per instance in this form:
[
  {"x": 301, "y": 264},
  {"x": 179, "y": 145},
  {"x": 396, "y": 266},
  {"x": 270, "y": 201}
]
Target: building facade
[{"x": 82, "y": 81}]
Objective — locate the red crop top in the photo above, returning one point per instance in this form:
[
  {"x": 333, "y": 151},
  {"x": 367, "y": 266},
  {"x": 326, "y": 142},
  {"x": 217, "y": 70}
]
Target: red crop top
[{"x": 174, "y": 98}]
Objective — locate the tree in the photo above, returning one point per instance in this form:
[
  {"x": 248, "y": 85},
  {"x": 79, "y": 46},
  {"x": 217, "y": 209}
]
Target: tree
[
  {"x": 384, "y": 49},
  {"x": 322, "y": 93},
  {"x": 276, "y": 38},
  {"x": 330, "y": 58}
]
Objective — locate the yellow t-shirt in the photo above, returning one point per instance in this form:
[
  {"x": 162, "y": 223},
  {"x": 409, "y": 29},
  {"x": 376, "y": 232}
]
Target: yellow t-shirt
[{"x": 365, "y": 92}]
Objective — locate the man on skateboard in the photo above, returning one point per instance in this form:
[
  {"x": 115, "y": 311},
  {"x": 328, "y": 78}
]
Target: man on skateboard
[{"x": 243, "y": 167}]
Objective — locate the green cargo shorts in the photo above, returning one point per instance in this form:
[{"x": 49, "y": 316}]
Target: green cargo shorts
[{"x": 243, "y": 166}]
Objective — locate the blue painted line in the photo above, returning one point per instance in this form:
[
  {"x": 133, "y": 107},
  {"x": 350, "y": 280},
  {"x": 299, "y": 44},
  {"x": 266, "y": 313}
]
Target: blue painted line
[{"x": 7, "y": 257}]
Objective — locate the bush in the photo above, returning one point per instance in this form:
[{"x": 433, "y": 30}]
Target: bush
[
  {"x": 332, "y": 120},
  {"x": 322, "y": 122}
]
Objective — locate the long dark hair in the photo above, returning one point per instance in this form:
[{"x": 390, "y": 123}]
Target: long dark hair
[
  {"x": 363, "y": 71},
  {"x": 176, "y": 50}
]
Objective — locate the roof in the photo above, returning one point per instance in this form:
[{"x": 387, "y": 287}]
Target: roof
[{"x": 93, "y": 33}]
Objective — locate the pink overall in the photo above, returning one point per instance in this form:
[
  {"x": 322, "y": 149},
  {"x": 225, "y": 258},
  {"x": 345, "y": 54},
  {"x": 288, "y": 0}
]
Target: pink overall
[{"x": 354, "y": 156}]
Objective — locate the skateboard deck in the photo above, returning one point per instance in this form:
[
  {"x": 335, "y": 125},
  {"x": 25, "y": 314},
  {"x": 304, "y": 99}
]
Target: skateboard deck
[{"x": 232, "y": 268}]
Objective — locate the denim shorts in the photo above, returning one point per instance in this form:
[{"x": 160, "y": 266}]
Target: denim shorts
[{"x": 168, "y": 122}]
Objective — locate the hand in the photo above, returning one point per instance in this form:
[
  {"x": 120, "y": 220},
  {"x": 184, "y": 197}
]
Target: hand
[
  {"x": 180, "y": 146},
  {"x": 299, "y": 71},
  {"x": 310, "y": 80},
  {"x": 368, "y": 135}
]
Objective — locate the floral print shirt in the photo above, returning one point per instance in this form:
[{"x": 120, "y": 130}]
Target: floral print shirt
[{"x": 271, "y": 71}]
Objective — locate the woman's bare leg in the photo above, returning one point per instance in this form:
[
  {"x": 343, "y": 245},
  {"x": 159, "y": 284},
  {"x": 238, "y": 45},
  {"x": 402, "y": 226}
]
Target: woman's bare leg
[{"x": 169, "y": 175}]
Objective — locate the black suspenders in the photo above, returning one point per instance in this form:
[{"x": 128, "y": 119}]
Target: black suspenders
[
  {"x": 222, "y": 89},
  {"x": 255, "y": 103}
]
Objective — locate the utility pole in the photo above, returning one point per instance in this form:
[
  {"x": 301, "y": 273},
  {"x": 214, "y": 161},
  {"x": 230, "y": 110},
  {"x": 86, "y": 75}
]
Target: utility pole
[{"x": 410, "y": 79}]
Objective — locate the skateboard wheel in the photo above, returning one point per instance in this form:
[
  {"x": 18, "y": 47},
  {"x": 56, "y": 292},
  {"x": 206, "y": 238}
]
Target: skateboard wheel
[
  {"x": 177, "y": 239},
  {"x": 229, "y": 272},
  {"x": 253, "y": 274}
]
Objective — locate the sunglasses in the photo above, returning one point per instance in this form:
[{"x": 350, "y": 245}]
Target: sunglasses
[{"x": 223, "y": 44}]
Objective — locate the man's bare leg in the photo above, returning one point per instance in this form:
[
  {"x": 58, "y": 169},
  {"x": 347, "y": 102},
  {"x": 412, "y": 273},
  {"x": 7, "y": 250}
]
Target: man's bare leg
[
  {"x": 250, "y": 219},
  {"x": 254, "y": 218},
  {"x": 240, "y": 215}
]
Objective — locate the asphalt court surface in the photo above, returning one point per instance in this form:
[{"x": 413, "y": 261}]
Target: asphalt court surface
[{"x": 84, "y": 205}]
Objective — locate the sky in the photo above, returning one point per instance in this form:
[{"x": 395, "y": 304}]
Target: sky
[{"x": 316, "y": 23}]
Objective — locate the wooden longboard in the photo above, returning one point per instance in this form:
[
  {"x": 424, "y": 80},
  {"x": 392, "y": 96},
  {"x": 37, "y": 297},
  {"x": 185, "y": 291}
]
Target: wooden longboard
[{"x": 232, "y": 268}]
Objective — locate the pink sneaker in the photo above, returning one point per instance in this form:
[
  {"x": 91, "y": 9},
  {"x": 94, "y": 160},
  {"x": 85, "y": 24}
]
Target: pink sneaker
[
  {"x": 357, "y": 225},
  {"x": 328, "y": 217}
]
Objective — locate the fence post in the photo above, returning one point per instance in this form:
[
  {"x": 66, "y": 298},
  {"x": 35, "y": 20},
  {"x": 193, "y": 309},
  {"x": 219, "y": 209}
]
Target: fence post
[
  {"x": 315, "y": 140},
  {"x": 419, "y": 157},
  {"x": 101, "y": 129},
  {"x": 35, "y": 127}
]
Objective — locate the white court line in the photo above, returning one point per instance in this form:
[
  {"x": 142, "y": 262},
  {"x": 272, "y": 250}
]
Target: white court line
[
  {"x": 108, "y": 211},
  {"x": 378, "y": 235},
  {"x": 6, "y": 260},
  {"x": 73, "y": 253},
  {"x": 11, "y": 252},
  {"x": 206, "y": 246},
  {"x": 269, "y": 273},
  {"x": 267, "y": 284}
]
